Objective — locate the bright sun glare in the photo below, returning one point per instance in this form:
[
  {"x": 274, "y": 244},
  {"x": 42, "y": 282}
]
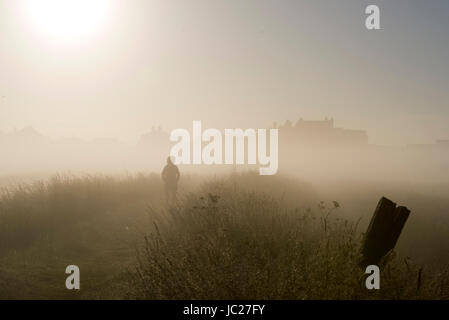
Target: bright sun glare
[{"x": 67, "y": 19}]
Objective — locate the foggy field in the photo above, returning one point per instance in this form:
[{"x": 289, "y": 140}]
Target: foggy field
[
  {"x": 235, "y": 236},
  {"x": 224, "y": 150}
]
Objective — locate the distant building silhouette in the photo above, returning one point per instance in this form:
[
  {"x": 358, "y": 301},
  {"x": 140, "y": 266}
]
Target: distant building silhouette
[
  {"x": 438, "y": 145},
  {"x": 156, "y": 138},
  {"x": 321, "y": 132}
]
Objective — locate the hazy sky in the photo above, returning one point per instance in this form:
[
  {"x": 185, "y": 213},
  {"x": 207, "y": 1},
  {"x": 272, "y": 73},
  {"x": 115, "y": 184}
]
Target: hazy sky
[{"x": 229, "y": 64}]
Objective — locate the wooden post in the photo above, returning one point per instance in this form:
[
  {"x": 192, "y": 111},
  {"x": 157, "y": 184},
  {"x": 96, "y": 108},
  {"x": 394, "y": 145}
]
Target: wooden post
[{"x": 383, "y": 231}]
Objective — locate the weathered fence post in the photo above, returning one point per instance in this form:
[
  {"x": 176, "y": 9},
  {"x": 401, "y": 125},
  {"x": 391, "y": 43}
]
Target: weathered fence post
[{"x": 383, "y": 231}]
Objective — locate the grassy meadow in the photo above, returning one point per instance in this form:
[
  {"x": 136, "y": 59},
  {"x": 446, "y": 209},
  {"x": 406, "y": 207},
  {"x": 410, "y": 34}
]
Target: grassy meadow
[{"x": 237, "y": 236}]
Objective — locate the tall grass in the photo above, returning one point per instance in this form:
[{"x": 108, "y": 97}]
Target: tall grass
[
  {"x": 229, "y": 243},
  {"x": 242, "y": 236},
  {"x": 31, "y": 213}
]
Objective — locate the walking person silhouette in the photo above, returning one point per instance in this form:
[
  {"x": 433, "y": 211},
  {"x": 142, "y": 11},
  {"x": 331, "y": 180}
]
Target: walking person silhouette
[{"x": 170, "y": 177}]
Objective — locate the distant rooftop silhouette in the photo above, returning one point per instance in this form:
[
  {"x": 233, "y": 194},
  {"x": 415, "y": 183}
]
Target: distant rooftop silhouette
[
  {"x": 321, "y": 132},
  {"x": 438, "y": 145}
]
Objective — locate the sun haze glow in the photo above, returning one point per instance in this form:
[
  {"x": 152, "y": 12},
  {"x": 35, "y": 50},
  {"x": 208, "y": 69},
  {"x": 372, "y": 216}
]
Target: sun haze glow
[{"x": 67, "y": 19}]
